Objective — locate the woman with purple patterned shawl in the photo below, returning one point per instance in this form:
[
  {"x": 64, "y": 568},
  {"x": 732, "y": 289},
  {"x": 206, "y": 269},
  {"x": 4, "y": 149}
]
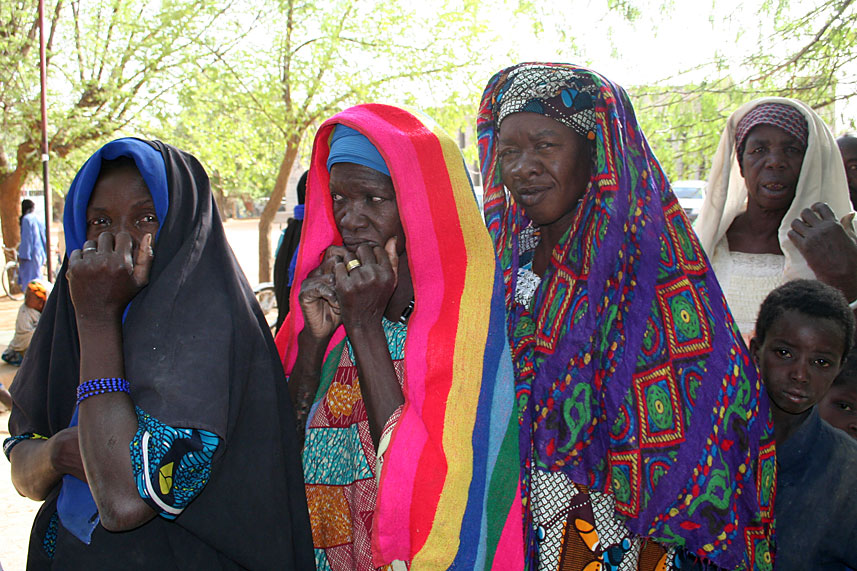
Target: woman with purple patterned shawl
[{"x": 645, "y": 436}]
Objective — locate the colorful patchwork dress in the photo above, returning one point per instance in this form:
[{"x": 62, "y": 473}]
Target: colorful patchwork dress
[
  {"x": 641, "y": 413},
  {"x": 340, "y": 462}
]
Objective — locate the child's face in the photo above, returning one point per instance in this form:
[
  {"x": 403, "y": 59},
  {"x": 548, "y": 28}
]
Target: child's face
[
  {"x": 799, "y": 359},
  {"x": 839, "y": 405},
  {"x": 34, "y": 301}
]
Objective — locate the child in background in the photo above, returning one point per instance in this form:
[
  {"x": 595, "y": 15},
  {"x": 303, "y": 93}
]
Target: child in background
[
  {"x": 803, "y": 332},
  {"x": 839, "y": 405},
  {"x": 28, "y": 317}
]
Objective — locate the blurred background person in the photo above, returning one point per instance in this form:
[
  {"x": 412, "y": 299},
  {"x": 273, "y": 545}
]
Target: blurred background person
[{"x": 32, "y": 253}]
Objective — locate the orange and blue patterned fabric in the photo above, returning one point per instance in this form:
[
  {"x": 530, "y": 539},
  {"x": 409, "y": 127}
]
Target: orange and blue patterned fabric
[
  {"x": 448, "y": 495},
  {"x": 631, "y": 377},
  {"x": 340, "y": 459}
]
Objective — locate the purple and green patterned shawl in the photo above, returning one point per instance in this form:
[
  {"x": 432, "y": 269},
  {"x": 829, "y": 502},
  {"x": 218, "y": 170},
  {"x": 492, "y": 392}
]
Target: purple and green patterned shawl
[{"x": 631, "y": 377}]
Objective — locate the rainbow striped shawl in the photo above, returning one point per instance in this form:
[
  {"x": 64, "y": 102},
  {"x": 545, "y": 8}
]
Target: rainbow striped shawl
[{"x": 455, "y": 445}]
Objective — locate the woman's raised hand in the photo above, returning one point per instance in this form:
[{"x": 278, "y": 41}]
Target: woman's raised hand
[
  {"x": 104, "y": 276},
  {"x": 317, "y": 298},
  {"x": 829, "y": 246},
  {"x": 365, "y": 289}
]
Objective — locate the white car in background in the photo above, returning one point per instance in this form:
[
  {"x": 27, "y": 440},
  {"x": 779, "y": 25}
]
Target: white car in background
[{"x": 690, "y": 194}]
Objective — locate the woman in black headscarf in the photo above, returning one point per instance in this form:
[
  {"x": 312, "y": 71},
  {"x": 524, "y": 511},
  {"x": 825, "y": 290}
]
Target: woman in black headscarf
[{"x": 194, "y": 456}]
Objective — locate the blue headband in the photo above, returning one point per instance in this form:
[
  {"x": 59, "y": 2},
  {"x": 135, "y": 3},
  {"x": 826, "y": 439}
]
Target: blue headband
[
  {"x": 149, "y": 162},
  {"x": 350, "y": 146}
]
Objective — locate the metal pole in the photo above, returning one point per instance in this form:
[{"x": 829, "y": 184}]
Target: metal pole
[{"x": 45, "y": 151}]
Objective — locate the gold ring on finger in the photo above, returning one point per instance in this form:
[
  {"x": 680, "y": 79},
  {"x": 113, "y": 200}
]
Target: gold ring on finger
[{"x": 353, "y": 264}]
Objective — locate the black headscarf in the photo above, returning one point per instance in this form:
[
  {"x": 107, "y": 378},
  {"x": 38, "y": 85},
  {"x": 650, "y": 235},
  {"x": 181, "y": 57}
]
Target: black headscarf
[{"x": 197, "y": 355}]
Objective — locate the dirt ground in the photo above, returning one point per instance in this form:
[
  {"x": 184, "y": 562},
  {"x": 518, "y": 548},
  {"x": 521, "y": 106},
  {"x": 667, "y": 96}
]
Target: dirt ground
[{"x": 16, "y": 512}]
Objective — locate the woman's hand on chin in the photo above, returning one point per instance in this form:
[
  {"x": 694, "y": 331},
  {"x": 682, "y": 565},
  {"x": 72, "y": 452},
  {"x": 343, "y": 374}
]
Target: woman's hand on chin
[
  {"x": 317, "y": 298},
  {"x": 829, "y": 246},
  {"x": 105, "y": 276},
  {"x": 365, "y": 290}
]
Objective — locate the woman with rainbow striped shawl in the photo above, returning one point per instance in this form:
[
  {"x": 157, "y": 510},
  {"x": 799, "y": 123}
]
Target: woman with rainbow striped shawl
[
  {"x": 398, "y": 357},
  {"x": 645, "y": 434}
]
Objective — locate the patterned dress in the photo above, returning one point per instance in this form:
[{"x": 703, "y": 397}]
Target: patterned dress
[
  {"x": 577, "y": 527},
  {"x": 340, "y": 463}
]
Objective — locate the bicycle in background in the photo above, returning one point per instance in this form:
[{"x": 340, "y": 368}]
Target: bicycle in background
[{"x": 9, "y": 278}]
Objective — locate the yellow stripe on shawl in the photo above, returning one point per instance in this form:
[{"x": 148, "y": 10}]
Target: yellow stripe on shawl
[{"x": 460, "y": 417}]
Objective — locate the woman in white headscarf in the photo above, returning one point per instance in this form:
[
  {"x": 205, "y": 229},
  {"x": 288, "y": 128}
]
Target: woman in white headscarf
[{"x": 777, "y": 206}]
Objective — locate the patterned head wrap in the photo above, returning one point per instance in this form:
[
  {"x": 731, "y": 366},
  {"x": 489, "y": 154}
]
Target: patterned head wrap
[
  {"x": 779, "y": 115},
  {"x": 40, "y": 288},
  {"x": 561, "y": 94},
  {"x": 631, "y": 378}
]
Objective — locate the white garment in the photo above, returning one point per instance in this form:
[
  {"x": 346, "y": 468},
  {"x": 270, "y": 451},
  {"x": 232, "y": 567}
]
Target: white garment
[
  {"x": 822, "y": 179},
  {"x": 25, "y": 326},
  {"x": 746, "y": 280}
]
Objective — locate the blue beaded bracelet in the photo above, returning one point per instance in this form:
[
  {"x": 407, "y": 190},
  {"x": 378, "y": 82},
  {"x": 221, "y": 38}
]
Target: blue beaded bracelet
[{"x": 100, "y": 386}]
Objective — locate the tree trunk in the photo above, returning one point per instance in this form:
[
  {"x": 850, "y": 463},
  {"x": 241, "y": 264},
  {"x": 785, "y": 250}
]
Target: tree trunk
[
  {"x": 10, "y": 205},
  {"x": 267, "y": 216}
]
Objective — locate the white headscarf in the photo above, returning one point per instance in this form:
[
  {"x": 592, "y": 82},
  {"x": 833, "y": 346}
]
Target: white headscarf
[{"x": 822, "y": 179}]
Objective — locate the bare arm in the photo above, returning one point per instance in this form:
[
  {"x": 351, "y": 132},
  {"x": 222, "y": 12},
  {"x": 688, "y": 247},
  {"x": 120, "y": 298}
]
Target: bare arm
[
  {"x": 102, "y": 282},
  {"x": 379, "y": 385},
  {"x": 39, "y": 464},
  {"x": 320, "y": 308},
  {"x": 364, "y": 294},
  {"x": 305, "y": 378}
]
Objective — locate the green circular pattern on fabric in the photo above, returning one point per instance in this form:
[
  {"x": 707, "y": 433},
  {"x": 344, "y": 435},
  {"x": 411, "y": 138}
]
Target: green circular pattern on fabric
[
  {"x": 684, "y": 317},
  {"x": 659, "y": 406},
  {"x": 763, "y": 558},
  {"x": 621, "y": 486},
  {"x": 686, "y": 246}
]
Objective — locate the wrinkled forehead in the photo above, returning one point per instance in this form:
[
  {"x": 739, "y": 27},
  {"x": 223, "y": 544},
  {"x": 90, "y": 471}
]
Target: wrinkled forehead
[{"x": 121, "y": 170}]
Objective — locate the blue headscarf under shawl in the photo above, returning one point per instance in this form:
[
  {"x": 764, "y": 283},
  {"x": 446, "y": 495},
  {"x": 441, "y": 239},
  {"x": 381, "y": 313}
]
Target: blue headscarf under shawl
[
  {"x": 75, "y": 504},
  {"x": 149, "y": 162}
]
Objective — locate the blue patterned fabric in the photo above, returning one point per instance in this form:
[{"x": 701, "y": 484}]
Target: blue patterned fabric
[
  {"x": 171, "y": 465},
  {"x": 49, "y": 543}
]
